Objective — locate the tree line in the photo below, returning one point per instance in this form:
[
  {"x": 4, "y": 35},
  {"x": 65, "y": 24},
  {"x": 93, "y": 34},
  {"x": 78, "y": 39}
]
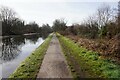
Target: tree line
[
  {"x": 13, "y": 25},
  {"x": 105, "y": 23}
]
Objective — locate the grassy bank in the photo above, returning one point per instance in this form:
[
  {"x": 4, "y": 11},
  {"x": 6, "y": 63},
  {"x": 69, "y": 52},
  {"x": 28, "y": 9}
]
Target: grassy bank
[
  {"x": 84, "y": 63},
  {"x": 31, "y": 65}
]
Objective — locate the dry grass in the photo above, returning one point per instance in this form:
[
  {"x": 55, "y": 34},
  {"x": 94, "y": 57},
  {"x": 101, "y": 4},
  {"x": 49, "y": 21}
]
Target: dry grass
[{"x": 106, "y": 48}]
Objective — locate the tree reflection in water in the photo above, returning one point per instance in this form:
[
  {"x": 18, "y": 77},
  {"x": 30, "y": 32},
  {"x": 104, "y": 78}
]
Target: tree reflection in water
[
  {"x": 11, "y": 46},
  {"x": 44, "y": 36},
  {"x": 33, "y": 38}
]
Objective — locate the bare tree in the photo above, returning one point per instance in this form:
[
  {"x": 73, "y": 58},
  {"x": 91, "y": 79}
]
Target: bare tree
[
  {"x": 0, "y": 17},
  {"x": 92, "y": 20},
  {"x": 59, "y": 25},
  {"x": 7, "y": 14},
  {"x": 104, "y": 15},
  {"x": 119, "y": 13},
  {"x": 118, "y": 18}
]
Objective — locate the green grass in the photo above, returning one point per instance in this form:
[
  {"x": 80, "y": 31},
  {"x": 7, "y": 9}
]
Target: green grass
[
  {"x": 88, "y": 61},
  {"x": 31, "y": 65}
]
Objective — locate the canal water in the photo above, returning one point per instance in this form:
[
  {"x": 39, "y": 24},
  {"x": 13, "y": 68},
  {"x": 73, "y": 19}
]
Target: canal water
[{"x": 13, "y": 50}]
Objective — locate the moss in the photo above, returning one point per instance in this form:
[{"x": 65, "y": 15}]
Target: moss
[
  {"x": 31, "y": 65},
  {"x": 89, "y": 61}
]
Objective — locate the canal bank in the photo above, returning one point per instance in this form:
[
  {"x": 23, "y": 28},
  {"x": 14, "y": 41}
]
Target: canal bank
[
  {"x": 85, "y": 63},
  {"x": 14, "y": 49},
  {"x": 30, "y": 66}
]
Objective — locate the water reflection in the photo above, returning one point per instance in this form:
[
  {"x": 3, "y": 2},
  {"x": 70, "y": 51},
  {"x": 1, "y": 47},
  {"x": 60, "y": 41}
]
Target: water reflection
[
  {"x": 44, "y": 36},
  {"x": 10, "y": 49},
  {"x": 11, "y": 46},
  {"x": 33, "y": 38},
  {"x": 15, "y": 49}
]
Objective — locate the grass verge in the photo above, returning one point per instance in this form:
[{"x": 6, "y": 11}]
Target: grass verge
[
  {"x": 31, "y": 65},
  {"x": 84, "y": 63}
]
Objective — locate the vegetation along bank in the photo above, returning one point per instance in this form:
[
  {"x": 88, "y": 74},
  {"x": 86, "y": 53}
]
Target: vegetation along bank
[
  {"x": 86, "y": 63},
  {"x": 31, "y": 65}
]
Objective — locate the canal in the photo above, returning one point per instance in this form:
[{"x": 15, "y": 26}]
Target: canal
[{"x": 14, "y": 50}]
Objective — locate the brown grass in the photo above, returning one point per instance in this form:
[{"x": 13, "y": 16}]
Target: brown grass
[{"x": 106, "y": 48}]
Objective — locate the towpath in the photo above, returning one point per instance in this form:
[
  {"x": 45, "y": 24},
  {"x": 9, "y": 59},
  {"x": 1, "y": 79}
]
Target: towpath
[{"x": 54, "y": 64}]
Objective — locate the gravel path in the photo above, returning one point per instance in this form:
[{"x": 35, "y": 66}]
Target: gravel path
[{"x": 54, "y": 64}]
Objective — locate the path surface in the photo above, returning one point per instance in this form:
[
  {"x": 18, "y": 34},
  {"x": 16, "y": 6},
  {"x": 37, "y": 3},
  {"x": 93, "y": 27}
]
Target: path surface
[{"x": 54, "y": 64}]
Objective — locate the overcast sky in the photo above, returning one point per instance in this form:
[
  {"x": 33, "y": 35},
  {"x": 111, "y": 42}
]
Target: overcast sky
[{"x": 46, "y": 11}]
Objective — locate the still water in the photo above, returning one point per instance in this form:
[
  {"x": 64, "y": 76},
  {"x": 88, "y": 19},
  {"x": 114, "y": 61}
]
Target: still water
[{"x": 14, "y": 50}]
